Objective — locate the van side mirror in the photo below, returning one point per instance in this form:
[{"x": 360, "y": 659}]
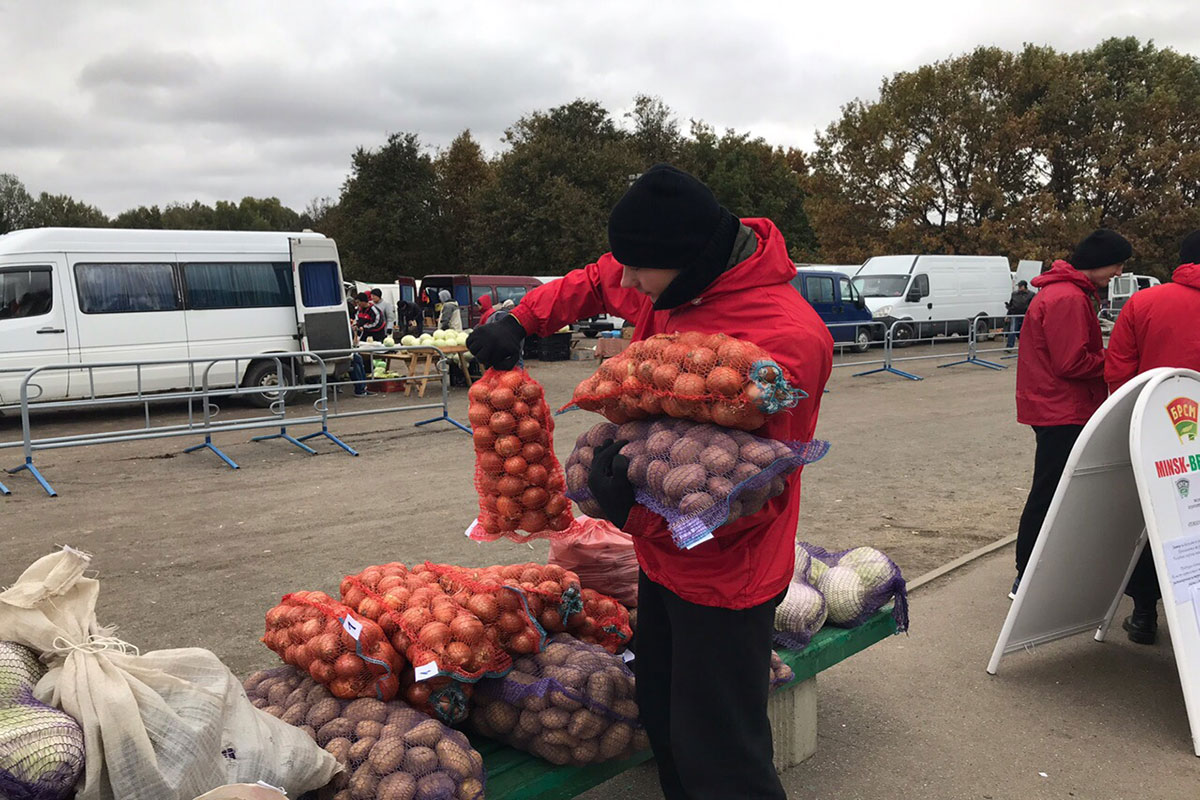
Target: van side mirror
[{"x": 914, "y": 294}]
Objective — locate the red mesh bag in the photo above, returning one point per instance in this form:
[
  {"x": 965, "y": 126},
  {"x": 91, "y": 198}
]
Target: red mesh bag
[
  {"x": 602, "y": 555},
  {"x": 697, "y": 376},
  {"x": 338, "y": 648},
  {"x": 697, "y": 477},
  {"x": 438, "y": 635},
  {"x": 519, "y": 480},
  {"x": 389, "y": 750},
  {"x": 504, "y": 609}
]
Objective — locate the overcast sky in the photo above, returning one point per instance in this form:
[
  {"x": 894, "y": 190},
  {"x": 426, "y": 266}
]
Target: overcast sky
[{"x": 124, "y": 103}]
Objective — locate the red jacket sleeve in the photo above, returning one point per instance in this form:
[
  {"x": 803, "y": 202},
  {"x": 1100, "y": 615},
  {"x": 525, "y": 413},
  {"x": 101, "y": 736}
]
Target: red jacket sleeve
[
  {"x": 1067, "y": 325},
  {"x": 1122, "y": 360},
  {"x": 595, "y": 289}
]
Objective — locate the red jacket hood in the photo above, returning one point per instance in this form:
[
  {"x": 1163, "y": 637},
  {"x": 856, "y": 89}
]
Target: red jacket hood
[
  {"x": 485, "y": 302},
  {"x": 1188, "y": 275},
  {"x": 769, "y": 265},
  {"x": 1062, "y": 272}
]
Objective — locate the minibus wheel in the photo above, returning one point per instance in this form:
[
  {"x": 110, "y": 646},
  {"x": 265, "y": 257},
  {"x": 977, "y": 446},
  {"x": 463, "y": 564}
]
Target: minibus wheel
[{"x": 265, "y": 374}]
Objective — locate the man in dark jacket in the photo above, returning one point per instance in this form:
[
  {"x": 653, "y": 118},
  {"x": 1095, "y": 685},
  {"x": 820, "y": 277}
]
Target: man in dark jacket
[
  {"x": 1157, "y": 327},
  {"x": 1017, "y": 305},
  {"x": 1060, "y": 369},
  {"x": 682, "y": 262}
]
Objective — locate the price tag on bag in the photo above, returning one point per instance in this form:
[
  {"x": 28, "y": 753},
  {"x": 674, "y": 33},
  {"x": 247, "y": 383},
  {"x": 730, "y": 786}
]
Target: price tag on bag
[
  {"x": 426, "y": 671},
  {"x": 352, "y": 626}
]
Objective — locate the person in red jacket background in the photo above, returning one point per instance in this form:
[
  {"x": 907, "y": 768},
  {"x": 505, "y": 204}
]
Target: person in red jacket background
[
  {"x": 1157, "y": 327},
  {"x": 681, "y": 262},
  {"x": 485, "y": 308},
  {"x": 1060, "y": 369}
]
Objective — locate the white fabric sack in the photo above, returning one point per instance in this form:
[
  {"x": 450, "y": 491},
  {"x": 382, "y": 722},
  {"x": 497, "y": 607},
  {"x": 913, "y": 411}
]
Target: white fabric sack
[{"x": 166, "y": 725}]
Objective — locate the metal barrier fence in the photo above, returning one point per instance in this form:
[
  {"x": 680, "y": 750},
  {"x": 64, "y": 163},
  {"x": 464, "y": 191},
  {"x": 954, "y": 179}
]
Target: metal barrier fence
[
  {"x": 906, "y": 333},
  {"x": 204, "y": 419}
]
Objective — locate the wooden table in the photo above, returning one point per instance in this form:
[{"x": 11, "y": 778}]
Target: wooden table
[{"x": 422, "y": 360}]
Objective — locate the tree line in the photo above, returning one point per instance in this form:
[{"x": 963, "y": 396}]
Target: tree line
[{"x": 1015, "y": 153}]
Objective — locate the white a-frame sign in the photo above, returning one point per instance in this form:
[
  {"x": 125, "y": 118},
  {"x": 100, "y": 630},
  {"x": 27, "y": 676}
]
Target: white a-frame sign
[{"x": 1132, "y": 480}]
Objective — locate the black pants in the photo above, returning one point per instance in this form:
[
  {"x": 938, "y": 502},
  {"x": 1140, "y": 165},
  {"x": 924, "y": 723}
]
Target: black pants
[
  {"x": 702, "y": 692},
  {"x": 1054, "y": 445}
]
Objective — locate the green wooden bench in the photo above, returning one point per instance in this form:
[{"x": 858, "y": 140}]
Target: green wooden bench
[{"x": 515, "y": 775}]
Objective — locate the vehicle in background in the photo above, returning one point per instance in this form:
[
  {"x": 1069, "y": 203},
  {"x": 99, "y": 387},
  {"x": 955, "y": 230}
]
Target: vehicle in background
[
  {"x": 837, "y": 302},
  {"x": 94, "y": 295},
  {"x": 1123, "y": 287},
  {"x": 929, "y": 295},
  {"x": 849, "y": 270},
  {"x": 467, "y": 289},
  {"x": 1027, "y": 270},
  {"x": 403, "y": 288}
]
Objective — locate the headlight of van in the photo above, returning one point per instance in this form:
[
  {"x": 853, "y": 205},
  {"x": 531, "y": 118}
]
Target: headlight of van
[{"x": 882, "y": 312}]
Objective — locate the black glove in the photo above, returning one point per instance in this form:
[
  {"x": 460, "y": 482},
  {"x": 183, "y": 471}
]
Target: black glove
[
  {"x": 497, "y": 344},
  {"x": 608, "y": 481}
]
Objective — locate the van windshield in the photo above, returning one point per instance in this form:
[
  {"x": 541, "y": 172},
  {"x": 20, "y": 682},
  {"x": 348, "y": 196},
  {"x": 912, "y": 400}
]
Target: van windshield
[{"x": 881, "y": 285}]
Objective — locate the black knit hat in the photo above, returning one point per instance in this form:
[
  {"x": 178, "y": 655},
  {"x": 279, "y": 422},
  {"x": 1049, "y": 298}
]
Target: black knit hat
[
  {"x": 1102, "y": 248},
  {"x": 670, "y": 220},
  {"x": 1189, "y": 251}
]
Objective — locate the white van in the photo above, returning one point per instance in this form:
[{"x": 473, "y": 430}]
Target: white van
[
  {"x": 92, "y": 295},
  {"x": 1123, "y": 287},
  {"x": 1027, "y": 270},
  {"x": 931, "y": 295}
]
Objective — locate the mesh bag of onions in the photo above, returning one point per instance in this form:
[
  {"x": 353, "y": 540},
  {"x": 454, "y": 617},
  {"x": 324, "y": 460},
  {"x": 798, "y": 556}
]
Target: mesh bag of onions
[
  {"x": 518, "y": 479},
  {"x": 856, "y": 583},
  {"x": 337, "y": 647},
  {"x": 437, "y": 634},
  {"x": 696, "y": 476},
  {"x": 41, "y": 748},
  {"x": 697, "y": 376},
  {"x": 573, "y": 703},
  {"x": 389, "y": 751}
]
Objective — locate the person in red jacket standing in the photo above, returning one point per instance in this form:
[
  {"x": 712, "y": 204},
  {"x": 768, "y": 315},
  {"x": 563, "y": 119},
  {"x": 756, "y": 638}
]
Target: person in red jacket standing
[
  {"x": 681, "y": 262},
  {"x": 1157, "y": 327},
  {"x": 1060, "y": 369},
  {"x": 485, "y": 308}
]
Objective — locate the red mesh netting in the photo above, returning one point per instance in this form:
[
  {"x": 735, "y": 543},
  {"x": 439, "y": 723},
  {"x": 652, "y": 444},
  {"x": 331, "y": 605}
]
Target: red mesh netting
[
  {"x": 519, "y": 481},
  {"x": 697, "y": 376},
  {"x": 438, "y": 635},
  {"x": 344, "y": 651}
]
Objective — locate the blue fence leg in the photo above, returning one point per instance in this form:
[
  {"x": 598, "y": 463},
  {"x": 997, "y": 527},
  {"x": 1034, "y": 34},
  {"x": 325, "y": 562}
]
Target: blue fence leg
[
  {"x": 325, "y": 432},
  {"x": 283, "y": 434},
  {"x": 28, "y": 466},
  {"x": 445, "y": 418},
  {"x": 4, "y": 489},
  {"x": 892, "y": 370},
  {"x": 208, "y": 445}
]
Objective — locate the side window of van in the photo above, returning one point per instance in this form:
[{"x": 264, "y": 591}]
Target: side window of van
[
  {"x": 514, "y": 293},
  {"x": 319, "y": 284},
  {"x": 126, "y": 288},
  {"x": 820, "y": 290},
  {"x": 849, "y": 293},
  {"x": 238, "y": 285},
  {"x": 25, "y": 292}
]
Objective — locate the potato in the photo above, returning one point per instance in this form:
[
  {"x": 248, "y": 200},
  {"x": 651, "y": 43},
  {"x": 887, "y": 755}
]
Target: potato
[
  {"x": 251, "y": 683},
  {"x": 625, "y": 708},
  {"x": 615, "y": 741},
  {"x": 554, "y": 718},
  {"x": 630, "y": 432},
  {"x": 758, "y": 453},
  {"x": 366, "y": 708},
  {"x": 638, "y": 465},
  {"x": 339, "y": 748},
  {"x": 682, "y": 480},
  {"x": 600, "y": 688},
  {"x": 564, "y": 700},
  {"x": 322, "y": 712},
  {"x": 535, "y": 702},
  {"x": 743, "y": 472},
  {"x": 317, "y": 693},
  {"x": 264, "y": 686},
  {"x": 275, "y": 711},
  {"x": 656, "y": 473},
  {"x": 363, "y": 783},
  {"x": 586, "y": 724},
  {"x": 659, "y": 444},
  {"x": 577, "y": 476},
  {"x": 555, "y": 654},
  {"x": 368, "y": 729},
  {"x": 338, "y": 726},
  {"x": 601, "y": 433},
  {"x": 636, "y": 447},
  {"x": 397, "y": 786},
  {"x": 419, "y": 760},
  {"x": 528, "y": 724},
  {"x": 343, "y": 795},
  {"x": 260, "y": 702},
  {"x": 295, "y": 713},
  {"x": 405, "y": 718},
  {"x": 524, "y": 666},
  {"x": 501, "y": 717},
  {"x": 278, "y": 693},
  {"x": 426, "y": 734},
  {"x": 309, "y": 731},
  {"x": 560, "y": 738},
  {"x": 453, "y": 759},
  {"x": 387, "y": 755},
  {"x": 723, "y": 441},
  {"x": 298, "y": 695},
  {"x": 568, "y": 677},
  {"x": 550, "y": 752},
  {"x": 695, "y": 502},
  {"x": 361, "y": 750},
  {"x": 717, "y": 460},
  {"x": 435, "y": 787},
  {"x": 470, "y": 789},
  {"x": 585, "y": 753}
]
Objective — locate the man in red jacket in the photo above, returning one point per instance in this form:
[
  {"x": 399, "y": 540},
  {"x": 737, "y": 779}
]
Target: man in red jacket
[
  {"x": 680, "y": 262},
  {"x": 1060, "y": 369},
  {"x": 1157, "y": 327}
]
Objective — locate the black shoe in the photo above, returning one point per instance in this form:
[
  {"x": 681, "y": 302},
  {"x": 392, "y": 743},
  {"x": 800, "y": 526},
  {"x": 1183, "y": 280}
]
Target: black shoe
[
  {"x": 1012, "y": 593},
  {"x": 1142, "y": 627}
]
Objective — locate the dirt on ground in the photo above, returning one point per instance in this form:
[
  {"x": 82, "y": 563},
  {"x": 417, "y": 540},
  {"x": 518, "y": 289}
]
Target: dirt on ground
[{"x": 192, "y": 553}]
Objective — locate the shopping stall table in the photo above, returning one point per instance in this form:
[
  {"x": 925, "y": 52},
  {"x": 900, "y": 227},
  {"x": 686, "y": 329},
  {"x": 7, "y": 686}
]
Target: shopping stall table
[
  {"x": 422, "y": 360},
  {"x": 516, "y": 775}
]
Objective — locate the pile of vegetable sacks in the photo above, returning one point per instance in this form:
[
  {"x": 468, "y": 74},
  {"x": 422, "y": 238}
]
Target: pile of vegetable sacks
[
  {"x": 41, "y": 748},
  {"x": 691, "y": 375},
  {"x": 518, "y": 478},
  {"x": 573, "y": 703},
  {"x": 696, "y": 476},
  {"x": 845, "y": 588},
  {"x": 389, "y": 751}
]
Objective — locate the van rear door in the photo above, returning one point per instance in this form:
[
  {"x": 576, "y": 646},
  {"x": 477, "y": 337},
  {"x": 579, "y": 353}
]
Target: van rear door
[
  {"x": 33, "y": 329},
  {"x": 321, "y": 316}
]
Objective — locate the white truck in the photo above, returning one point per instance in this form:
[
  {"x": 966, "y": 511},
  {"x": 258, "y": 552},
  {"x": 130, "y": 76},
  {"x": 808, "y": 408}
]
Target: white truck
[{"x": 87, "y": 296}]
